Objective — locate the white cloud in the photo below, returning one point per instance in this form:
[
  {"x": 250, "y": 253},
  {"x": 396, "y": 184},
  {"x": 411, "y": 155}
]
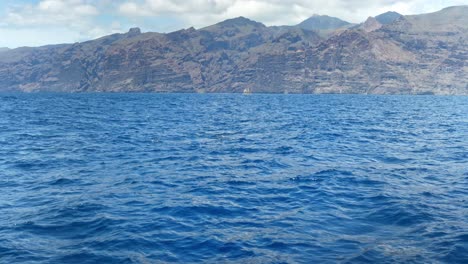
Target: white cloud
[
  {"x": 51, "y": 12},
  {"x": 132, "y": 9},
  {"x": 52, "y": 22},
  {"x": 55, "y": 21},
  {"x": 275, "y": 12},
  {"x": 35, "y": 36}
]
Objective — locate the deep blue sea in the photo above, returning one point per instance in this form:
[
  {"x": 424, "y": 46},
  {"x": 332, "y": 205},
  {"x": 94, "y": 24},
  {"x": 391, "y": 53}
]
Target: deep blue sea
[{"x": 226, "y": 178}]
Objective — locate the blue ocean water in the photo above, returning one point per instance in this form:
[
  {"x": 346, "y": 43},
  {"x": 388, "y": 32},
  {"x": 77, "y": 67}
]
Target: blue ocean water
[{"x": 150, "y": 178}]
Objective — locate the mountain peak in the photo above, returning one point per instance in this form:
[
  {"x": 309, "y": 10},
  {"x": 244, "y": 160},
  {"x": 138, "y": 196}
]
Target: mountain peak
[
  {"x": 240, "y": 21},
  {"x": 370, "y": 25},
  {"x": 322, "y": 22},
  {"x": 134, "y": 32},
  {"x": 387, "y": 17}
]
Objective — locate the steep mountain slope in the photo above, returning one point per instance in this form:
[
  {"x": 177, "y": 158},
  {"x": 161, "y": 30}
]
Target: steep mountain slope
[
  {"x": 371, "y": 24},
  {"x": 413, "y": 55},
  {"x": 223, "y": 57},
  {"x": 422, "y": 54}
]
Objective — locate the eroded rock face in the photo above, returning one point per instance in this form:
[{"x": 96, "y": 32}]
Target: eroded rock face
[
  {"x": 370, "y": 25},
  {"x": 424, "y": 54},
  {"x": 133, "y": 32}
]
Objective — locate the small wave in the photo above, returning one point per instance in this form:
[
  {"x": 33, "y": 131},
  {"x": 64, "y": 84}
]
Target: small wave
[
  {"x": 64, "y": 181},
  {"x": 70, "y": 229},
  {"x": 396, "y": 214}
]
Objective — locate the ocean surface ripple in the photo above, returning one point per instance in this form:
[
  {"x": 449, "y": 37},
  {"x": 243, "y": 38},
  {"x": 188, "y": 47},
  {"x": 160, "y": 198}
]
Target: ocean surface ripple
[{"x": 162, "y": 178}]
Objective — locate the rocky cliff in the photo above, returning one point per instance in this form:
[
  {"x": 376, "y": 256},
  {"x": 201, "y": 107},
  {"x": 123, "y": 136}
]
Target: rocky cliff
[{"x": 421, "y": 54}]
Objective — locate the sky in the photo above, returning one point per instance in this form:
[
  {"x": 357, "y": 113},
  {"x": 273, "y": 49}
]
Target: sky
[{"x": 42, "y": 22}]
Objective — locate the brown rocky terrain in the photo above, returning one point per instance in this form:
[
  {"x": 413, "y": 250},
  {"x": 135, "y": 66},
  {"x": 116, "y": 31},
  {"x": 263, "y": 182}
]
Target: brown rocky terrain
[{"x": 421, "y": 54}]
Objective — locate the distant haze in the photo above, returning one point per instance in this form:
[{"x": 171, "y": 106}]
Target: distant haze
[{"x": 40, "y": 22}]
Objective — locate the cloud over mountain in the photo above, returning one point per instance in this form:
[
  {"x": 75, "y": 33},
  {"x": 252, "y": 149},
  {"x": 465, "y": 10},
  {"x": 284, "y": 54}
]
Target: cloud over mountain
[{"x": 37, "y": 22}]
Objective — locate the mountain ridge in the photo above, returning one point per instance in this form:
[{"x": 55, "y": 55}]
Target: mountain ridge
[{"x": 419, "y": 54}]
